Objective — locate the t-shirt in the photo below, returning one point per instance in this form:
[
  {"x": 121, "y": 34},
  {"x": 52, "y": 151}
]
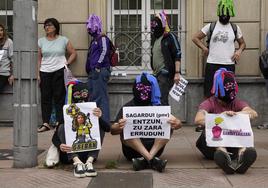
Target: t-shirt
[
  {"x": 6, "y": 57},
  {"x": 53, "y": 53},
  {"x": 158, "y": 57},
  {"x": 212, "y": 105},
  {"x": 221, "y": 46}
]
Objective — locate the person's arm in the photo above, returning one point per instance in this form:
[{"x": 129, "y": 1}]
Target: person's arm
[
  {"x": 200, "y": 118},
  {"x": 10, "y": 57},
  {"x": 174, "y": 122},
  {"x": 72, "y": 53},
  {"x": 197, "y": 39},
  {"x": 252, "y": 113},
  {"x": 104, "y": 51},
  {"x": 57, "y": 142},
  {"x": 39, "y": 56},
  {"x": 117, "y": 128},
  {"x": 238, "y": 52},
  {"x": 177, "y": 72}
]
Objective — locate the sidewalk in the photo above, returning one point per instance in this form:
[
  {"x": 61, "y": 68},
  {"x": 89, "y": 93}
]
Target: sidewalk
[{"x": 186, "y": 166}]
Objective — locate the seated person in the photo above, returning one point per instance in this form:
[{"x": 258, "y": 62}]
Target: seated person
[
  {"x": 224, "y": 100},
  {"x": 144, "y": 152},
  {"x": 82, "y": 161}
]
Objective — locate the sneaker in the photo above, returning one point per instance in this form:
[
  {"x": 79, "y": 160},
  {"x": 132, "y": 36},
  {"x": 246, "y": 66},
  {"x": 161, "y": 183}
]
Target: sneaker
[
  {"x": 199, "y": 128},
  {"x": 158, "y": 164},
  {"x": 245, "y": 160},
  {"x": 79, "y": 170},
  {"x": 263, "y": 126},
  {"x": 223, "y": 160},
  {"x": 89, "y": 170},
  {"x": 139, "y": 163}
]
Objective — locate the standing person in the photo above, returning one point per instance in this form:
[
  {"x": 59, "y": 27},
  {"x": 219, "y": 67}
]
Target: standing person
[
  {"x": 224, "y": 100},
  {"x": 221, "y": 50},
  {"x": 264, "y": 69},
  {"x": 51, "y": 61},
  {"x": 98, "y": 65},
  {"x": 144, "y": 152},
  {"x": 6, "y": 59},
  {"x": 166, "y": 55}
]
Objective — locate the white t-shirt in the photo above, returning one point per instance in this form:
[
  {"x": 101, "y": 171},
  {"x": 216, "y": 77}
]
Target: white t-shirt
[
  {"x": 221, "y": 46},
  {"x": 53, "y": 53}
]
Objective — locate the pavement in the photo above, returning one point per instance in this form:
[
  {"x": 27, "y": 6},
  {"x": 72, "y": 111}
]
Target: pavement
[{"x": 186, "y": 166}]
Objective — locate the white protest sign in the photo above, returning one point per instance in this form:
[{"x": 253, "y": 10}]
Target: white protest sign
[
  {"x": 1, "y": 54},
  {"x": 228, "y": 131},
  {"x": 146, "y": 122},
  {"x": 81, "y": 127},
  {"x": 178, "y": 89}
]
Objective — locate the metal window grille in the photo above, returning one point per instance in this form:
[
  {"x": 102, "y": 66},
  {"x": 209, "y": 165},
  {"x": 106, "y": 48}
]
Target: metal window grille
[
  {"x": 128, "y": 24},
  {"x": 6, "y": 15}
]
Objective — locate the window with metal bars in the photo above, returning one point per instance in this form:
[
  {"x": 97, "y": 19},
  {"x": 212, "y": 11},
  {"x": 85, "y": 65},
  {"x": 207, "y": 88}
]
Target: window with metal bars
[{"x": 129, "y": 28}]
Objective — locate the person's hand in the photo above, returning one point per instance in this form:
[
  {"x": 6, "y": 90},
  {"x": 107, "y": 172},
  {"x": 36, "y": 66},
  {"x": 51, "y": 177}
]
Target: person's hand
[
  {"x": 205, "y": 52},
  {"x": 236, "y": 55},
  {"x": 230, "y": 113},
  {"x": 97, "y": 112},
  {"x": 11, "y": 80},
  {"x": 65, "y": 148},
  {"x": 174, "y": 122},
  {"x": 121, "y": 124},
  {"x": 176, "y": 78},
  {"x": 38, "y": 79}
]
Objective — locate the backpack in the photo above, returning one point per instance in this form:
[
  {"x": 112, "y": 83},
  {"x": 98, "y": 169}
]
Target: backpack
[
  {"x": 212, "y": 27},
  {"x": 114, "y": 54}
]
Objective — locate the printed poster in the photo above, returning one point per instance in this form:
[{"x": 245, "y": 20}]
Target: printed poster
[
  {"x": 228, "y": 131},
  {"x": 178, "y": 89},
  {"x": 146, "y": 122},
  {"x": 81, "y": 127}
]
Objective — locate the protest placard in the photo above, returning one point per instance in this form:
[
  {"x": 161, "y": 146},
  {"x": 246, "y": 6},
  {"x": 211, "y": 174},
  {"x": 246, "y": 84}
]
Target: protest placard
[
  {"x": 81, "y": 127},
  {"x": 146, "y": 122},
  {"x": 228, "y": 131},
  {"x": 178, "y": 89}
]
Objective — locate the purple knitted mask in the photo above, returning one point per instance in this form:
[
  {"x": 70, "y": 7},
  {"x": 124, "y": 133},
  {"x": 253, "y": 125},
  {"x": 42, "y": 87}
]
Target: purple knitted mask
[{"x": 94, "y": 24}]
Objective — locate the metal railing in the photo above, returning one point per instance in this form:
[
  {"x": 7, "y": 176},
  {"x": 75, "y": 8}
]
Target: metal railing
[{"x": 129, "y": 29}]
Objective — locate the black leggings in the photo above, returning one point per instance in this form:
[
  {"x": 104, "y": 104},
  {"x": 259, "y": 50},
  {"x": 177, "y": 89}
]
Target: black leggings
[
  {"x": 208, "y": 152},
  {"x": 52, "y": 88},
  {"x": 3, "y": 82}
]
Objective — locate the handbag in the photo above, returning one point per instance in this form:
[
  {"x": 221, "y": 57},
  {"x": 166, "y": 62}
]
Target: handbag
[
  {"x": 53, "y": 156},
  {"x": 68, "y": 76}
]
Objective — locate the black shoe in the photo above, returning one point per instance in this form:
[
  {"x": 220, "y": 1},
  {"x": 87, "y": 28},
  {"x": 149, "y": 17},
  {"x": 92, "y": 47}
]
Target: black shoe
[
  {"x": 245, "y": 160},
  {"x": 89, "y": 170},
  {"x": 199, "y": 128},
  {"x": 223, "y": 160},
  {"x": 79, "y": 170},
  {"x": 158, "y": 164},
  {"x": 139, "y": 163}
]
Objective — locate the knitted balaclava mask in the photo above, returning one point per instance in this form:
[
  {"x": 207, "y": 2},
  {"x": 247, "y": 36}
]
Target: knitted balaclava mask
[
  {"x": 156, "y": 27},
  {"x": 142, "y": 92},
  {"x": 225, "y": 11},
  {"x": 225, "y": 87},
  {"x": 94, "y": 25}
]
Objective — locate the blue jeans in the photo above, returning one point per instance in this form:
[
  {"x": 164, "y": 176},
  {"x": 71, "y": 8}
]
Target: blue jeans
[{"x": 97, "y": 86}]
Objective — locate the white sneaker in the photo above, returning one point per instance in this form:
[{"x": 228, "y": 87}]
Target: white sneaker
[
  {"x": 89, "y": 170},
  {"x": 79, "y": 170}
]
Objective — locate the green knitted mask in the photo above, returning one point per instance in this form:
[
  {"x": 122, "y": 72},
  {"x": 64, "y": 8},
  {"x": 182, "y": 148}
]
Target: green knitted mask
[{"x": 224, "y": 6}]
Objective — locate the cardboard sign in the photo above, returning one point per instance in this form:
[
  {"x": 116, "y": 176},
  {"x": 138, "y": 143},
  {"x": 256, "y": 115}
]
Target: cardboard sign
[
  {"x": 146, "y": 122},
  {"x": 178, "y": 89},
  {"x": 81, "y": 127},
  {"x": 228, "y": 131}
]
